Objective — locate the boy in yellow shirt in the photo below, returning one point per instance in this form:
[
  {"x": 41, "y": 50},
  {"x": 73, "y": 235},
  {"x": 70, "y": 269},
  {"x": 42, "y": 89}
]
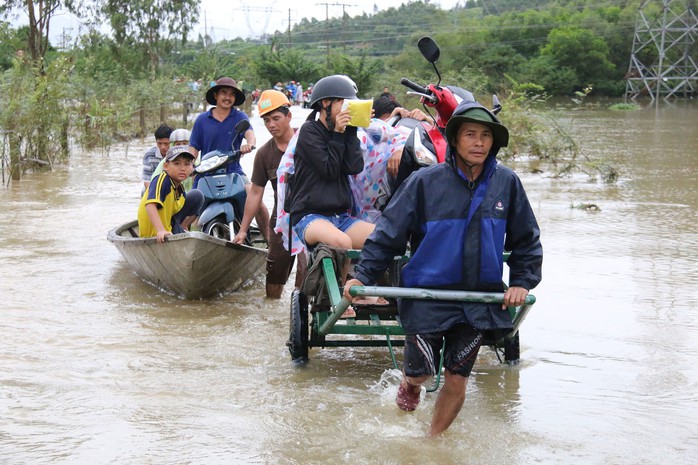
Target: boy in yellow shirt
[{"x": 166, "y": 208}]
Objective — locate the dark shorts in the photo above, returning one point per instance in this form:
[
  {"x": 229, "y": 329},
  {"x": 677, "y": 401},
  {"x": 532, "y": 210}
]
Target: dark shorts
[
  {"x": 422, "y": 351},
  {"x": 280, "y": 261},
  {"x": 193, "y": 203}
]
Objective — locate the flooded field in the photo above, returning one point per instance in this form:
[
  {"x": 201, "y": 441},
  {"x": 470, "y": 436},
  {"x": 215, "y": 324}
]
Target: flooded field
[{"x": 99, "y": 367}]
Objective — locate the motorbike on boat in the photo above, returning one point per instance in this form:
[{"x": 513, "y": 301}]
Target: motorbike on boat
[
  {"x": 224, "y": 193},
  {"x": 426, "y": 144}
]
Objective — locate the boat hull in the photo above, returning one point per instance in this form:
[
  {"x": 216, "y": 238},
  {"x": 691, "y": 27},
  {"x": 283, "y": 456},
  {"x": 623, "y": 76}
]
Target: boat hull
[{"x": 192, "y": 265}]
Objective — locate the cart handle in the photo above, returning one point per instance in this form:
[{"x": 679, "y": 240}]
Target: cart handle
[
  {"x": 425, "y": 294},
  {"x": 433, "y": 294}
]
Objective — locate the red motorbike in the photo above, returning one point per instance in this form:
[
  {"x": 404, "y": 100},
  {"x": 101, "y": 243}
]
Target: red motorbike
[{"x": 426, "y": 144}]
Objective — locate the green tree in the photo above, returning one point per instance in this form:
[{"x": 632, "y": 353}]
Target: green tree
[
  {"x": 148, "y": 24},
  {"x": 274, "y": 66},
  {"x": 11, "y": 42},
  {"x": 362, "y": 71},
  {"x": 581, "y": 52},
  {"x": 39, "y": 14}
]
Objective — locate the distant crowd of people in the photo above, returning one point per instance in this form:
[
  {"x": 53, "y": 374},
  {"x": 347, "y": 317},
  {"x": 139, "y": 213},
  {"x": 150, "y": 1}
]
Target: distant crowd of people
[{"x": 293, "y": 90}]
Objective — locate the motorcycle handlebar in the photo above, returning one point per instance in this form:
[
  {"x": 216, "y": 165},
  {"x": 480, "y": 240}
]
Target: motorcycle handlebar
[{"x": 414, "y": 86}]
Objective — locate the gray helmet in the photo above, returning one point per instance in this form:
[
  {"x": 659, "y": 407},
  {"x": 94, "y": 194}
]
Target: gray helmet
[{"x": 336, "y": 86}]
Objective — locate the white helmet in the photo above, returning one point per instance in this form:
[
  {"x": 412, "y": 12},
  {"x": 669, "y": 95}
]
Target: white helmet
[{"x": 179, "y": 135}]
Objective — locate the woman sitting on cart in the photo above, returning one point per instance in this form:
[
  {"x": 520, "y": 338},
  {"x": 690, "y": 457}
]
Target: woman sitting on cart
[
  {"x": 459, "y": 217},
  {"x": 327, "y": 152}
]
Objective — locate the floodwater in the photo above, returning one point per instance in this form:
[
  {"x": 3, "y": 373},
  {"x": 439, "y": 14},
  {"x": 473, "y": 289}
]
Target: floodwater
[{"x": 98, "y": 367}]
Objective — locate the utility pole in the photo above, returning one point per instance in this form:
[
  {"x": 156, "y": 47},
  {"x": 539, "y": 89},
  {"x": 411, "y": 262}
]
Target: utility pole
[
  {"x": 289, "y": 27},
  {"x": 327, "y": 26}
]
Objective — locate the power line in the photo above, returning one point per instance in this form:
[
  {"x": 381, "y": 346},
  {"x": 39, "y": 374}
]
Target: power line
[{"x": 327, "y": 20}]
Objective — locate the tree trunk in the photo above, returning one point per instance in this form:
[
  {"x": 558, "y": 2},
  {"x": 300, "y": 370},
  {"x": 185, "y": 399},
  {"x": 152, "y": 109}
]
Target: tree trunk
[
  {"x": 141, "y": 122},
  {"x": 41, "y": 139},
  {"x": 15, "y": 156},
  {"x": 65, "y": 128}
]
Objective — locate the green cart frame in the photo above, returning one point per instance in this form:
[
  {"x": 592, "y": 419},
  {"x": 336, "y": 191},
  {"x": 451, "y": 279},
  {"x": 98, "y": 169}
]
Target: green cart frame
[{"x": 315, "y": 320}]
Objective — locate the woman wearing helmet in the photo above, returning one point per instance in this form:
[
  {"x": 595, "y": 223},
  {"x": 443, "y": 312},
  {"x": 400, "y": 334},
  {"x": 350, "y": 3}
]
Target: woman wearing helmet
[
  {"x": 274, "y": 108},
  {"x": 327, "y": 152}
]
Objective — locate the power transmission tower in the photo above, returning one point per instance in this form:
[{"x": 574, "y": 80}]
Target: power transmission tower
[
  {"x": 255, "y": 29},
  {"x": 663, "y": 59}
]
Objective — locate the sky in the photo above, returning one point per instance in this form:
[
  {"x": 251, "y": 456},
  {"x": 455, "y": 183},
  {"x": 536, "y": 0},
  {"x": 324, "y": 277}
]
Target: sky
[
  {"x": 225, "y": 19},
  {"x": 228, "y": 19}
]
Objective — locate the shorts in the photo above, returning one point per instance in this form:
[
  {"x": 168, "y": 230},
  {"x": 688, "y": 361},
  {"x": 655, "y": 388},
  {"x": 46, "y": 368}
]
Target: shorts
[
  {"x": 280, "y": 261},
  {"x": 193, "y": 203},
  {"x": 422, "y": 351},
  {"x": 342, "y": 222}
]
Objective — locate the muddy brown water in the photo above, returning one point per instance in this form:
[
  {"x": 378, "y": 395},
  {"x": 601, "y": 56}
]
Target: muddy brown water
[{"x": 98, "y": 367}]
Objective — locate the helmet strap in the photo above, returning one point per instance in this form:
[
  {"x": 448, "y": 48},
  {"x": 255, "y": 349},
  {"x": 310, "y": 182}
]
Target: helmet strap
[{"x": 328, "y": 115}]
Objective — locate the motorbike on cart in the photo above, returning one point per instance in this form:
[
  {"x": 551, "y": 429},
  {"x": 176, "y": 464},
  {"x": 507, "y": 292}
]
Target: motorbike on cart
[
  {"x": 426, "y": 145},
  {"x": 316, "y": 312},
  {"x": 224, "y": 193}
]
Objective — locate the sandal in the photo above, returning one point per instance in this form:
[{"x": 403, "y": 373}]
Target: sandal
[
  {"x": 349, "y": 313},
  {"x": 406, "y": 398},
  {"x": 375, "y": 301}
]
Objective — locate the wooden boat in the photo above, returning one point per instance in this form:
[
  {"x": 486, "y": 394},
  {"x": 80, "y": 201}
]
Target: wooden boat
[{"x": 191, "y": 265}]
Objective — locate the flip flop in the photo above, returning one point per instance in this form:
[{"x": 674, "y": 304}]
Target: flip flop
[
  {"x": 348, "y": 313},
  {"x": 379, "y": 301}
]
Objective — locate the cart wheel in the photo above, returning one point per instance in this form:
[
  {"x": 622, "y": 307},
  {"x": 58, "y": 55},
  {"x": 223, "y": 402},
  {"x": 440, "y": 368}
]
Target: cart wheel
[
  {"x": 298, "y": 337},
  {"x": 512, "y": 350}
]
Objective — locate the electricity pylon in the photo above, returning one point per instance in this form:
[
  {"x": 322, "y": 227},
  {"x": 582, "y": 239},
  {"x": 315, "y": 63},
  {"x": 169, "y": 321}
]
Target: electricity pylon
[{"x": 663, "y": 59}]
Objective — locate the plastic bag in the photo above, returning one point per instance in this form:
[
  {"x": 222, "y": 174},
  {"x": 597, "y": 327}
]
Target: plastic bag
[{"x": 360, "y": 111}]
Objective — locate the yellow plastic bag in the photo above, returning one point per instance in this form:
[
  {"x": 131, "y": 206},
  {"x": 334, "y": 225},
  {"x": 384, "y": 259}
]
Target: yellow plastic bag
[{"x": 360, "y": 111}]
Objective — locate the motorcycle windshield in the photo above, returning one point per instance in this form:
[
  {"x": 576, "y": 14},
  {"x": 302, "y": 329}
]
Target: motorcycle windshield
[{"x": 211, "y": 163}]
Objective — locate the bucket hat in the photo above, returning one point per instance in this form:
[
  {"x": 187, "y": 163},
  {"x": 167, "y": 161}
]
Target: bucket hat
[
  {"x": 473, "y": 112},
  {"x": 225, "y": 82}
]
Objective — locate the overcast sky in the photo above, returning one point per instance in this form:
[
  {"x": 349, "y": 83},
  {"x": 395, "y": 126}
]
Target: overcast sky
[
  {"x": 228, "y": 19},
  {"x": 225, "y": 19}
]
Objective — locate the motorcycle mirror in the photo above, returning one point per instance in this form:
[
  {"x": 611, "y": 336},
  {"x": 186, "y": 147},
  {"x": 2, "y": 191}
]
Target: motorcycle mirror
[
  {"x": 242, "y": 126},
  {"x": 429, "y": 49},
  {"x": 240, "y": 130},
  {"x": 496, "y": 106}
]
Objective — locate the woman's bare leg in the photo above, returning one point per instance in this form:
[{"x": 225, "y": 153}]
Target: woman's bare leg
[
  {"x": 358, "y": 232},
  {"x": 325, "y": 232}
]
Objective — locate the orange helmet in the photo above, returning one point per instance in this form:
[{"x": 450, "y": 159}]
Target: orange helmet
[{"x": 270, "y": 100}]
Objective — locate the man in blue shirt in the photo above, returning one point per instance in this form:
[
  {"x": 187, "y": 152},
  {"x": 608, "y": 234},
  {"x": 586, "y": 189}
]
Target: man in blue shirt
[{"x": 215, "y": 130}]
